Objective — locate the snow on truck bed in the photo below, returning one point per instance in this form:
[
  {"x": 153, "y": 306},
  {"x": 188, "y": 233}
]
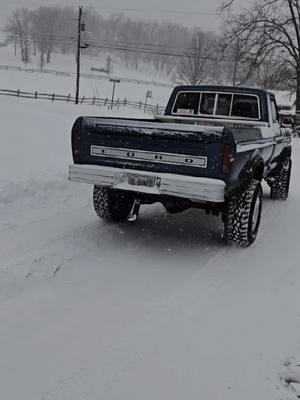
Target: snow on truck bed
[{"x": 157, "y": 310}]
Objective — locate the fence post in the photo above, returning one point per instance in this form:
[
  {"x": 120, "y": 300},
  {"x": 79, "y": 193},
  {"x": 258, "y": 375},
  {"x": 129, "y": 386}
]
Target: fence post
[
  {"x": 68, "y": 99},
  {"x": 140, "y": 104},
  {"x": 35, "y": 95},
  {"x": 94, "y": 99},
  {"x": 157, "y": 109},
  {"x": 125, "y": 102},
  {"x": 18, "y": 92},
  {"x": 105, "y": 101},
  {"x": 82, "y": 100},
  {"x": 53, "y": 96}
]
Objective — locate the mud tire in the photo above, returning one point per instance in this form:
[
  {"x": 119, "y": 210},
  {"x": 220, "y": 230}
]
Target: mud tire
[
  {"x": 280, "y": 185},
  {"x": 243, "y": 215},
  {"x": 112, "y": 205}
]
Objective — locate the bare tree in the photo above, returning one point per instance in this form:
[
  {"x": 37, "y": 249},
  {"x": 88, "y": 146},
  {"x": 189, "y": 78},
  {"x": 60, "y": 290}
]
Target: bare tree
[
  {"x": 164, "y": 46},
  {"x": 192, "y": 70},
  {"x": 274, "y": 75},
  {"x": 18, "y": 28},
  {"x": 246, "y": 50},
  {"x": 44, "y": 22},
  {"x": 277, "y": 22},
  {"x": 108, "y": 65}
]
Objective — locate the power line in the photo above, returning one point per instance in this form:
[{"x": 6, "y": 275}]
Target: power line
[
  {"x": 108, "y": 45},
  {"x": 114, "y": 44},
  {"x": 46, "y": 38},
  {"x": 155, "y": 50}
]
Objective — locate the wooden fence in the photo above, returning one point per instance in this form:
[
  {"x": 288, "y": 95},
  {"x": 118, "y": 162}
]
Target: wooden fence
[{"x": 96, "y": 101}]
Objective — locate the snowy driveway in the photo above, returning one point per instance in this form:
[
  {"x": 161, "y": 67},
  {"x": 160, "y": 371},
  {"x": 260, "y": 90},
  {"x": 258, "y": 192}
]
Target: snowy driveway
[{"x": 157, "y": 310}]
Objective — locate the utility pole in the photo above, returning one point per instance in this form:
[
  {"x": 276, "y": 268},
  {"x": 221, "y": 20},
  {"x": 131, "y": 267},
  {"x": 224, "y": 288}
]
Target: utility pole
[
  {"x": 80, "y": 26},
  {"x": 235, "y": 72},
  {"x": 15, "y": 45},
  {"x": 148, "y": 96}
]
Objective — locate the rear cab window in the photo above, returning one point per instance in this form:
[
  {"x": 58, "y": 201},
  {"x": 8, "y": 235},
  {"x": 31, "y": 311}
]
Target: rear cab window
[
  {"x": 207, "y": 105},
  {"x": 187, "y": 103},
  {"x": 245, "y": 106},
  {"x": 218, "y": 105},
  {"x": 224, "y": 104}
]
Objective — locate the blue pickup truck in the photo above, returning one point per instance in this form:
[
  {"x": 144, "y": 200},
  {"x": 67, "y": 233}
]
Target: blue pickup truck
[{"x": 211, "y": 150}]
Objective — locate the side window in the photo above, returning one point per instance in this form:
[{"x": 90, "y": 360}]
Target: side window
[
  {"x": 187, "y": 103},
  {"x": 207, "y": 103},
  {"x": 274, "y": 111},
  {"x": 244, "y": 106}
]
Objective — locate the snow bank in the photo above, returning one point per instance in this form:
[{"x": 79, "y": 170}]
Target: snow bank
[{"x": 36, "y": 144}]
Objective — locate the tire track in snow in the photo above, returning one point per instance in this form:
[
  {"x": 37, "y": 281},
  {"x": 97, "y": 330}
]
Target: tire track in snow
[
  {"x": 30, "y": 253},
  {"x": 121, "y": 357}
]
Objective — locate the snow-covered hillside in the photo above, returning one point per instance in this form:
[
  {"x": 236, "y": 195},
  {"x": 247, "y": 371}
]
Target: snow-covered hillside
[
  {"x": 157, "y": 310},
  {"x": 42, "y": 82}
]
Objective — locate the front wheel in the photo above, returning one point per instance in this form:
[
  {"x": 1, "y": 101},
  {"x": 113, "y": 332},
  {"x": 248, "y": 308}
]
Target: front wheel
[
  {"x": 112, "y": 205},
  {"x": 280, "y": 184},
  {"x": 243, "y": 215}
]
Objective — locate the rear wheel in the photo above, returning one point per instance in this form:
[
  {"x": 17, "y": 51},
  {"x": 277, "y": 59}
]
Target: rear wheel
[
  {"x": 243, "y": 215},
  {"x": 280, "y": 184},
  {"x": 112, "y": 205}
]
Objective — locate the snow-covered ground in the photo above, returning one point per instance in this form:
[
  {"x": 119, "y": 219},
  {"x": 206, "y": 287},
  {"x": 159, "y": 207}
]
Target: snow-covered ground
[{"x": 157, "y": 310}]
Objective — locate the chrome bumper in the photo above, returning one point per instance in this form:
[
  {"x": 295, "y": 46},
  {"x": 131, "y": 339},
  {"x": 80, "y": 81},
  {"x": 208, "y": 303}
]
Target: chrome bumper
[{"x": 189, "y": 187}]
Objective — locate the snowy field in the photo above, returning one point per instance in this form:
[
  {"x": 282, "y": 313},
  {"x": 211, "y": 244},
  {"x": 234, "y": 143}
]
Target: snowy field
[
  {"x": 161, "y": 309},
  {"x": 63, "y": 85}
]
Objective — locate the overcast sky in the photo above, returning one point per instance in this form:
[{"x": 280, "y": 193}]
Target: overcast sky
[{"x": 201, "y": 13}]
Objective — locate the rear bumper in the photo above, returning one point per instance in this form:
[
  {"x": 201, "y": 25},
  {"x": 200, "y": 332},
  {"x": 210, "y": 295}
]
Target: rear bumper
[{"x": 189, "y": 187}]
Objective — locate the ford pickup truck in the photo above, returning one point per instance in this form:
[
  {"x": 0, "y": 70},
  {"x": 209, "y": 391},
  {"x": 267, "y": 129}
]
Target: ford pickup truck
[{"x": 211, "y": 150}]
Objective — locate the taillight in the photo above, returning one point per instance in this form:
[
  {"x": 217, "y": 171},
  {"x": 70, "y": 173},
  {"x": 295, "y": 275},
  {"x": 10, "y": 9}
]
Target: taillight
[
  {"x": 76, "y": 145},
  {"x": 228, "y": 157},
  {"x": 76, "y": 142}
]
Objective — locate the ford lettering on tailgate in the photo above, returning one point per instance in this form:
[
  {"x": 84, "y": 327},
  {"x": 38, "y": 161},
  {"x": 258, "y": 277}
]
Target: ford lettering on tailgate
[{"x": 141, "y": 155}]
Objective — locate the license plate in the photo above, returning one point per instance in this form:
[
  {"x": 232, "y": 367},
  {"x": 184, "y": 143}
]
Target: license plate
[{"x": 141, "y": 180}]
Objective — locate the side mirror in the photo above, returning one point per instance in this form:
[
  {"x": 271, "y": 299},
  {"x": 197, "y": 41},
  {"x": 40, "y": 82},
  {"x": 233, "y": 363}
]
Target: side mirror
[{"x": 286, "y": 122}]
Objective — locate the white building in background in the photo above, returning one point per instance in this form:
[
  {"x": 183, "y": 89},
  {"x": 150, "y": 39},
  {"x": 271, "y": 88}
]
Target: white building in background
[{"x": 286, "y": 102}]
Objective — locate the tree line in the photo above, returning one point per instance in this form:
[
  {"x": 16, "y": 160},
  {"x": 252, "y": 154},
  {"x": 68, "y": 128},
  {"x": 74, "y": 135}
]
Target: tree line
[{"x": 244, "y": 53}]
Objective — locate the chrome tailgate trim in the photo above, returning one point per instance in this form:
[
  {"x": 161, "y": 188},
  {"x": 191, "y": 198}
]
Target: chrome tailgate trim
[{"x": 155, "y": 157}]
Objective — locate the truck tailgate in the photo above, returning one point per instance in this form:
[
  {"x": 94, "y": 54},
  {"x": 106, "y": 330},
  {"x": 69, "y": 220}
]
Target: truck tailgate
[{"x": 149, "y": 145}]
